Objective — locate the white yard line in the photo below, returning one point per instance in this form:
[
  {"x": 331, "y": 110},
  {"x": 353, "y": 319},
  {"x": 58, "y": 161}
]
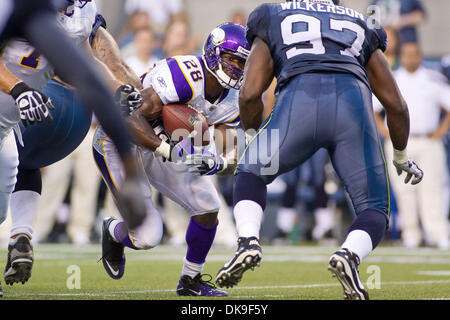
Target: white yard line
[
  {"x": 434, "y": 273},
  {"x": 301, "y": 286},
  {"x": 153, "y": 256}
]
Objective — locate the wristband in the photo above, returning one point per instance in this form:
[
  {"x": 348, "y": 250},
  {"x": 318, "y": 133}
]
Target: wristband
[
  {"x": 224, "y": 164},
  {"x": 400, "y": 156},
  {"x": 19, "y": 88},
  {"x": 163, "y": 150}
]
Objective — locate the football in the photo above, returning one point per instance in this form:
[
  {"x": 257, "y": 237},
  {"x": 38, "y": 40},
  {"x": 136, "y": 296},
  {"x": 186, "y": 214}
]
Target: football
[{"x": 180, "y": 120}]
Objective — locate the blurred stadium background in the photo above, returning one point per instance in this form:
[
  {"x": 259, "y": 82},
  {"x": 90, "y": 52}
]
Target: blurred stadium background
[
  {"x": 198, "y": 18},
  {"x": 432, "y": 32}
]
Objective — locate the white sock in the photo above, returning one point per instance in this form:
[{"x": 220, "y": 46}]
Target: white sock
[
  {"x": 111, "y": 228},
  {"x": 359, "y": 242},
  {"x": 23, "y": 205},
  {"x": 286, "y": 219},
  {"x": 191, "y": 269},
  {"x": 248, "y": 215}
]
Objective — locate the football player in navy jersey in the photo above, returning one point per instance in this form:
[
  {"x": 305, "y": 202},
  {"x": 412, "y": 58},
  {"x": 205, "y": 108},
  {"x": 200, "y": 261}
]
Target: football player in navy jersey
[
  {"x": 34, "y": 21},
  {"x": 328, "y": 60},
  {"x": 70, "y": 125}
]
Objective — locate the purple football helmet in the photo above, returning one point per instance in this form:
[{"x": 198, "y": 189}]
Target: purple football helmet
[{"x": 226, "y": 38}]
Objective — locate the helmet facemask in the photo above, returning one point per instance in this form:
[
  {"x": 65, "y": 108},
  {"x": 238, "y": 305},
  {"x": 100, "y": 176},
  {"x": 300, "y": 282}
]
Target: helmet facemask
[
  {"x": 228, "y": 75},
  {"x": 229, "y": 40}
]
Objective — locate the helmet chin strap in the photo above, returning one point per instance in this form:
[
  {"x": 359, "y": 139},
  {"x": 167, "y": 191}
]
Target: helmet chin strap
[{"x": 224, "y": 80}]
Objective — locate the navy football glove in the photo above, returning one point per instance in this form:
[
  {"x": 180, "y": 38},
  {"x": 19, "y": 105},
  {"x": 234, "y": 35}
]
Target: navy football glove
[
  {"x": 33, "y": 105},
  {"x": 129, "y": 98},
  {"x": 204, "y": 162}
]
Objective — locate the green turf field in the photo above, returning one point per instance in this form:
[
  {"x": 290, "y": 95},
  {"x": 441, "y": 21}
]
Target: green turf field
[{"x": 289, "y": 272}]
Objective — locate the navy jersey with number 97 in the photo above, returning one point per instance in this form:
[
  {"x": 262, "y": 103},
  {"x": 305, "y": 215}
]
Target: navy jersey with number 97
[{"x": 307, "y": 38}]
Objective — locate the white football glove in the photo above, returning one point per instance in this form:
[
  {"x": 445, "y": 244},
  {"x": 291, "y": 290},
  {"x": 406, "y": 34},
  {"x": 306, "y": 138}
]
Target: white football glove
[
  {"x": 411, "y": 168},
  {"x": 402, "y": 163},
  {"x": 33, "y": 105}
]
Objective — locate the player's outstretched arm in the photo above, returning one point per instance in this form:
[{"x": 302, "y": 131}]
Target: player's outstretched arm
[
  {"x": 45, "y": 35},
  {"x": 105, "y": 49},
  {"x": 128, "y": 97},
  {"x": 74, "y": 68},
  {"x": 258, "y": 75},
  {"x": 385, "y": 88},
  {"x": 109, "y": 77}
]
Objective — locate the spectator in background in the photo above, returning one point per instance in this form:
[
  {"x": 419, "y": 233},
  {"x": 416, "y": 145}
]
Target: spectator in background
[
  {"x": 160, "y": 12},
  {"x": 239, "y": 16},
  {"x": 392, "y": 49},
  {"x": 426, "y": 94},
  {"x": 402, "y": 15},
  {"x": 179, "y": 41},
  {"x": 135, "y": 21},
  {"x": 143, "y": 59}
]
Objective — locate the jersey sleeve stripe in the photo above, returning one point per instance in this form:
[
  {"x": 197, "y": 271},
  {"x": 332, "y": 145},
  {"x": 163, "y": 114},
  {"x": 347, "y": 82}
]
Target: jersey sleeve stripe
[
  {"x": 142, "y": 77},
  {"x": 184, "y": 89},
  {"x": 236, "y": 119}
]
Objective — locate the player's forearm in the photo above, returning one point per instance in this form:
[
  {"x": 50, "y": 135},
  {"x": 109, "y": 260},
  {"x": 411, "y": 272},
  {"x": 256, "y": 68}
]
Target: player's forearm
[
  {"x": 398, "y": 125},
  {"x": 258, "y": 75},
  {"x": 251, "y": 110},
  {"x": 109, "y": 77},
  {"x": 59, "y": 49},
  {"x": 7, "y": 78},
  {"x": 107, "y": 51},
  {"x": 139, "y": 121},
  {"x": 142, "y": 132}
]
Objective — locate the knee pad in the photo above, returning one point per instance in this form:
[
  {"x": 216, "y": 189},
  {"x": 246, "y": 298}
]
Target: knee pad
[
  {"x": 149, "y": 234},
  {"x": 4, "y": 204}
]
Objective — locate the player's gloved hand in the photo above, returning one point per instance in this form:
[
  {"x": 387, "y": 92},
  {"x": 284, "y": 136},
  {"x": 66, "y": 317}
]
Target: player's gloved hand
[
  {"x": 204, "y": 162},
  {"x": 34, "y": 106},
  {"x": 129, "y": 98},
  {"x": 173, "y": 151},
  {"x": 402, "y": 163}
]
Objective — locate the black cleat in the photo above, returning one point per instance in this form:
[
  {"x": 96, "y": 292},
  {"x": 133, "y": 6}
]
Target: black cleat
[
  {"x": 343, "y": 265},
  {"x": 197, "y": 287},
  {"x": 20, "y": 261},
  {"x": 247, "y": 256},
  {"x": 113, "y": 256}
]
